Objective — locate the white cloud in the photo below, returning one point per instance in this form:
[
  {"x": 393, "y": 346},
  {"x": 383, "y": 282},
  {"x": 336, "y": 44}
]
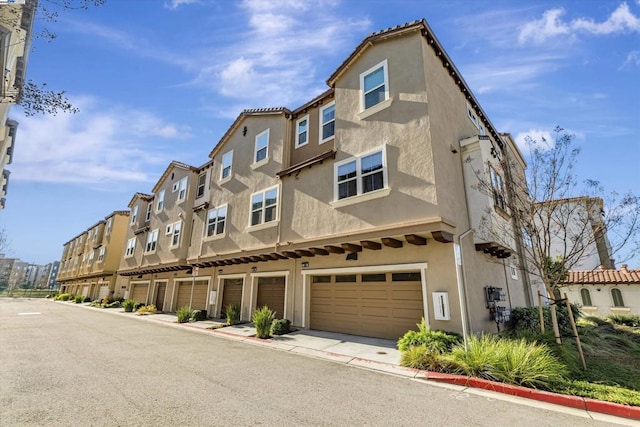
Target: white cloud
[
  {"x": 551, "y": 25},
  {"x": 633, "y": 59},
  {"x": 542, "y": 139},
  {"x": 174, "y": 4},
  {"x": 95, "y": 147}
]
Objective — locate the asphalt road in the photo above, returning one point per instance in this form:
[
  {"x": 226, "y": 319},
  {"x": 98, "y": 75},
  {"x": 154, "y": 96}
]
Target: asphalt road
[{"x": 70, "y": 366}]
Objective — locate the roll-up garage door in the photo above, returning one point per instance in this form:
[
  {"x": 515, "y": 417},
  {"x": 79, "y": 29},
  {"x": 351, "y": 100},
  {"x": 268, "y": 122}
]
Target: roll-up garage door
[
  {"x": 139, "y": 293},
  {"x": 381, "y": 305},
  {"x": 231, "y": 294},
  {"x": 271, "y": 294},
  {"x": 197, "y": 301}
]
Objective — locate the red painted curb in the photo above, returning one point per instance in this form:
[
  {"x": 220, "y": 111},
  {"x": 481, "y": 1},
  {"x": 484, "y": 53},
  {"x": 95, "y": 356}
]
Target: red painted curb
[{"x": 609, "y": 408}]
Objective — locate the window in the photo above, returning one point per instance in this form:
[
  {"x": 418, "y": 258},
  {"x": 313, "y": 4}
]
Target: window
[
  {"x": 182, "y": 193},
  {"x": 379, "y": 277},
  {"x": 373, "y": 85},
  {"x": 472, "y": 116},
  {"x": 406, "y": 277},
  {"x": 147, "y": 217},
  {"x": 327, "y": 122},
  {"x": 131, "y": 246},
  {"x": 175, "y": 239},
  {"x": 168, "y": 230},
  {"x": 152, "y": 241},
  {"x": 175, "y": 187},
  {"x": 134, "y": 214},
  {"x": 227, "y": 160},
  {"x": 216, "y": 219},
  {"x": 90, "y": 259},
  {"x": 101, "y": 253},
  {"x": 360, "y": 175},
  {"x": 616, "y": 295},
  {"x": 586, "y": 297},
  {"x": 498, "y": 193},
  {"x": 262, "y": 146},
  {"x": 264, "y": 206},
  {"x": 346, "y": 278},
  {"x": 514, "y": 271},
  {"x": 109, "y": 225},
  {"x": 302, "y": 131},
  {"x": 160, "y": 201},
  {"x": 202, "y": 181}
]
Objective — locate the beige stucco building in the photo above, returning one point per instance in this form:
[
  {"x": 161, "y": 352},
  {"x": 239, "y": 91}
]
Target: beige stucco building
[
  {"x": 90, "y": 260},
  {"x": 16, "y": 24},
  {"x": 357, "y": 212}
]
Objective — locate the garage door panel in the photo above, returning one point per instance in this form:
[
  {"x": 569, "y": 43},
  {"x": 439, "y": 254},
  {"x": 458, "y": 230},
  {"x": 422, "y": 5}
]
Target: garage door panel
[
  {"x": 271, "y": 292},
  {"x": 231, "y": 293},
  {"x": 140, "y": 293}
]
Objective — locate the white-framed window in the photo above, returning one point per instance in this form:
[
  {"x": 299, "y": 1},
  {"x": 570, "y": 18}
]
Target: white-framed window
[
  {"x": 168, "y": 230},
  {"x": 134, "y": 214},
  {"x": 616, "y": 296},
  {"x": 159, "y": 200},
  {"x": 302, "y": 131},
  {"x": 152, "y": 241},
  {"x": 360, "y": 175},
  {"x": 147, "y": 216},
  {"x": 202, "y": 182},
  {"x": 498, "y": 189},
  {"x": 472, "y": 116},
  {"x": 175, "y": 186},
  {"x": 327, "y": 122},
  {"x": 131, "y": 247},
  {"x": 95, "y": 234},
  {"x": 216, "y": 220},
  {"x": 264, "y": 206},
  {"x": 175, "y": 237},
  {"x": 227, "y": 161},
  {"x": 84, "y": 259},
  {"x": 90, "y": 259},
  {"x": 107, "y": 229},
  {"x": 101, "y": 253},
  {"x": 585, "y": 295},
  {"x": 182, "y": 190},
  {"x": 262, "y": 147},
  {"x": 374, "y": 85},
  {"x": 514, "y": 271}
]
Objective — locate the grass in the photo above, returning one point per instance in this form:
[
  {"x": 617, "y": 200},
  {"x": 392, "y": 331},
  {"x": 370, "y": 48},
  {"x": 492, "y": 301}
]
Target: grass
[{"x": 27, "y": 293}]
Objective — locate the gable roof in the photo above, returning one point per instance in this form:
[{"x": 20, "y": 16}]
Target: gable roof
[
  {"x": 426, "y": 31},
  {"x": 604, "y": 276},
  {"x": 240, "y": 118},
  {"x": 142, "y": 196},
  {"x": 173, "y": 164}
]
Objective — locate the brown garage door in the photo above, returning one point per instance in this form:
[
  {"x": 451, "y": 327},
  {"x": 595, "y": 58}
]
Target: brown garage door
[
  {"x": 197, "y": 301},
  {"x": 160, "y": 293},
  {"x": 271, "y": 294},
  {"x": 384, "y": 305},
  {"x": 139, "y": 293},
  {"x": 231, "y": 294}
]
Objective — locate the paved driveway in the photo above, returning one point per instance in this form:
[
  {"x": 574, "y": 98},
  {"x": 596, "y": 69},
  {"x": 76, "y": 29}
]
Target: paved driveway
[{"x": 66, "y": 366}]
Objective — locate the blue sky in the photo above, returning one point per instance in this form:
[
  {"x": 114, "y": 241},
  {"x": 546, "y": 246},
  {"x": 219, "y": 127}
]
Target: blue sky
[{"x": 162, "y": 80}]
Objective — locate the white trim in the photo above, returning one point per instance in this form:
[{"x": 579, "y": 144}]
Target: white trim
[
  {"x": 276, "y": 220},
  {"x": 262, "y": 162},
  {"x": 154, "y": 294},
  {"x": 375, "y": 109},
  {"x": 222, "y": 167},
  {"x": 133, "y": 284},
  {"x": 203, "y": 185},
  {"x": 388, "y": 268},
  {"x": 358, "y": 160},
  {"x": 321, "y": 123},
  {"x": 257, "y": 162},
  {"x": 364, "y": 74},
  {"x": 254, "y": 285},
  {"x": 160, "y": 201},
  {"x": 215, "y": 236},
  {"x": 297, "y": 136},
  {"x": 371, "y": 195},
  {"x": 263, "y": 226}
]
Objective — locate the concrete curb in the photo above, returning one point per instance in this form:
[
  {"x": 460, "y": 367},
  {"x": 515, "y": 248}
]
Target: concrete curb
[{"x": 584, "y": 403}]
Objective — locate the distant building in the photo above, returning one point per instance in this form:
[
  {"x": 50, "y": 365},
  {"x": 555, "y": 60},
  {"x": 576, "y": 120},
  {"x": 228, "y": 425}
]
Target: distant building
[{"x": 16, "y": 23}]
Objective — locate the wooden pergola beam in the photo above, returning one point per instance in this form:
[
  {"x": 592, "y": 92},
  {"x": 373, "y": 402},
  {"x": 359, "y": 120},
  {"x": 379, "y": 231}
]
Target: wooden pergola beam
[
  {"x": 414, "y": 239},
  {"x": 392, "y": 243},
  {"x": 350, "y": 247},
  {"x": 319, "y": 251},
  {"x": 334, "y": 249},
  {"x": 368, "y": 244}
]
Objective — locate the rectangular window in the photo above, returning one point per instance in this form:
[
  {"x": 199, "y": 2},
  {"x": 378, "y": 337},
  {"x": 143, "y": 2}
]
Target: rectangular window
[
  {"x": 90, "y": 260},
  {"x": 168, "y": 230},
  {"x": 321, "y": 279},
  {"x": 109, "y": 225},
  {"x": 262, "y": 146},
  {"x": 101, "y": 254},
  {"x": 514, "y": 271},
  {"x": 227, "y": 160},
  {"x": 264, "y": 206},
  {"x": 131, "y": 246},
  {"x": 152, "y": 241},
  {"x": 216, "y": 219},
  {"x": 327, "y": 122},
  {"x": 202, "y": 181},
  {"x": 373, "y": 85},
  {"x": 498, "y": 189},
  {"x": 360, "y": 175},
  {"x": 346, "y": 278},
  {"x": 175, "y": 239},
  {"x": 175, "y": 187},
  {"x": 472, "y": 116},
  {"x": 182, "y": 192},
  {"x": 160, "y": 201},
  {"x": 302, "y": 131},
  {"x": 147, "y": 217},
  {"x": 134, "y": 214},
  {"x": 380, "y": 277},
  {"x": 406, "y": 277}
]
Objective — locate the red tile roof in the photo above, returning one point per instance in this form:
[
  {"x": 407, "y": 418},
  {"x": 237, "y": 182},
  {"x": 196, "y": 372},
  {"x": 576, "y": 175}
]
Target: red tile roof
[{"x": 604, "y": 276}]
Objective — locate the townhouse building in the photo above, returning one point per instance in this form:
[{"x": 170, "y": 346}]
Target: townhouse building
[
  {"x": 358, "y": 212},
  {"x": 16, "y": 25},
  {"x": 90, "y": 260}
]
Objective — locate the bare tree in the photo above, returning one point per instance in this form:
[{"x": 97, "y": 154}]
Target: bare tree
[{"x": 4, "y": 241}]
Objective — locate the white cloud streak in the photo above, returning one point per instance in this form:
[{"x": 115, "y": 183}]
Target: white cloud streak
[
  {"x": 551, "y": 25},
  {"x": 95, "y": 147},
  {"x": 174, "y": 4}
]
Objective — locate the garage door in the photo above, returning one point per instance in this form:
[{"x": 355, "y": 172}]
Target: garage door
[
  {"x": 140, "y": 293},
  {"x": 197, "y": 301},
  {"x": 231, "y": 294},
  {"x": 383, "y": 305},
  {"x": 103, "y": 292},
  {"x": 160, "y": 293},
  {"x": 85, "y": 290},
  {"x": 271, "y": 294}
]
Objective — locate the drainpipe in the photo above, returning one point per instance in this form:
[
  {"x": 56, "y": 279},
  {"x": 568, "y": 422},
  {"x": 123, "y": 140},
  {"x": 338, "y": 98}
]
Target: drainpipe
[{"x": 464, "y": 303}]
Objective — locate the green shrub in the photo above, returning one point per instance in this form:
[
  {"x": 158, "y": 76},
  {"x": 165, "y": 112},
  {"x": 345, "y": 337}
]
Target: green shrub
[
  {"x": 511, "y": 361},
  {"x": 262, "y": 318},
  {"x": 198, "y": 315},
  {"x": 129, "y": 305},
  {"x": 115, "y": 304},
  {"x": 63, "y": 297},
  {"x": 146, "y": 309},
  {"x": 525, "y": 320},
  {"x": 79, "y": 299},
  {"x": 232, "y": 313},
  {"x": 420, "y": 357},
  {"x": 184, "y": 314},
  {"x": 435, "y": 341},
  {"x": 280, "y": 326},
  {"x": 622, "y": 319}
]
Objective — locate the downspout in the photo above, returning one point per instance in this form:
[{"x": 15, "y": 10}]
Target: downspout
[{"x": 464, "y": 303}]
